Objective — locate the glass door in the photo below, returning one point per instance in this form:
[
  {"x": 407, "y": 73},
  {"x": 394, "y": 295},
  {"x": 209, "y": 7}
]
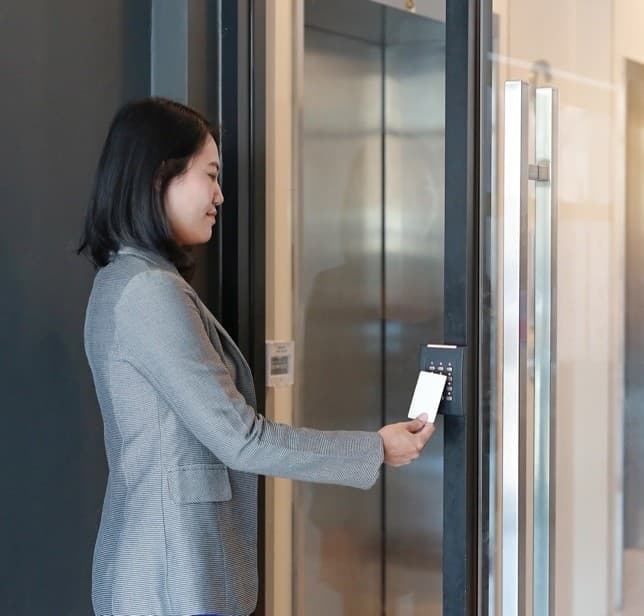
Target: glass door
[
  {"x": 386, "y": 263},
  {"x": 369, "y": 288},
  {"x": 526, "y": 254},
  {"x": 554, "y": 225}
]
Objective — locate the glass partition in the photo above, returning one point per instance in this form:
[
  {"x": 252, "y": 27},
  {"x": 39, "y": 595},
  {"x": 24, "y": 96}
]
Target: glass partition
[
  {"x": 576, "y": 547},
  {"x": 369, "y": 292}
]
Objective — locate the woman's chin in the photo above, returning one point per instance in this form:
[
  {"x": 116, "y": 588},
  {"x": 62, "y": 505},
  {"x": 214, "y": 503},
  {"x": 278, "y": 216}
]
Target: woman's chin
[
  {"x": 197, "y": 241},
  {"x": 205, "y": 236}
]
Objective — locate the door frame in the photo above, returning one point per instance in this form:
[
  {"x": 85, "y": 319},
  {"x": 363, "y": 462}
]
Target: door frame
[
  {"x": 238, "y": 282},
  {"x": 465, "y": 530},
  {"x": 463, "y": 155}
]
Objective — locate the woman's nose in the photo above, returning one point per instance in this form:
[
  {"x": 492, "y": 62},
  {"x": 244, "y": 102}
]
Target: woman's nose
[{"x": 218, "y": 198}]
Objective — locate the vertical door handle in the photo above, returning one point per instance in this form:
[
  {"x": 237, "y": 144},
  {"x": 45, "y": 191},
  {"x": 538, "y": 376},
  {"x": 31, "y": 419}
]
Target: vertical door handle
[
  {"x": 514, "y": 347},
  {"x": 528, "y": 352},
  {"x": 545, "y": 295}
]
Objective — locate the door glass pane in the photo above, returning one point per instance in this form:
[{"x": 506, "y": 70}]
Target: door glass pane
[
  {"x": 592, "y": 53},
  {"x": 369, "y": 271},
  {"x": 337, "y": 530},
  {"x": 414, "y": 228}
]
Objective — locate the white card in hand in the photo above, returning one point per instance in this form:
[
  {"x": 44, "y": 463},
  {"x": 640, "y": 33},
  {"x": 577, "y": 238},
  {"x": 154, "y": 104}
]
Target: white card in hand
[{"x": 427, "y": 395}]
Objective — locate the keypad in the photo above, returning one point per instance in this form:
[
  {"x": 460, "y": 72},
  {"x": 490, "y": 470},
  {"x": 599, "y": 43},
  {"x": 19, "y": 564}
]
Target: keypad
[{"x": 447, "y": 369}]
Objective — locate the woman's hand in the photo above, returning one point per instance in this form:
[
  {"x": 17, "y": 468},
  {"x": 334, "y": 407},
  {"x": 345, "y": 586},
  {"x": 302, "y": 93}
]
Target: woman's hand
[{"x": 404, "y": 441}]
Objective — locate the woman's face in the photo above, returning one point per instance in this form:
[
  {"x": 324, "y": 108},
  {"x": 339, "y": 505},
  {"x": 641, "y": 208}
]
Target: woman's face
[{"x": 191, "y": 199}]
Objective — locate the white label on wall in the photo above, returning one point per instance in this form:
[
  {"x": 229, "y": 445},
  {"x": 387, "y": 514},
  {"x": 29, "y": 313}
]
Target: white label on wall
[{"x": 279, "y": 363}]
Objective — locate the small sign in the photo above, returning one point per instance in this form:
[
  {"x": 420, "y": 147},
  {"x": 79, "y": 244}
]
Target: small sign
[{"x": 279, "y": 363}]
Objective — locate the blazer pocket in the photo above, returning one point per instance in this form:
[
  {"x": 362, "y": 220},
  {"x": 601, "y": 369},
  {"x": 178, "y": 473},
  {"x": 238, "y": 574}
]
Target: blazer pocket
[{"x": 199, "y": 483}]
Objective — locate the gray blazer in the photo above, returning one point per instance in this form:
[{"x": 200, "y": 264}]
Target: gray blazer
[{"x": 184, "y": 446}]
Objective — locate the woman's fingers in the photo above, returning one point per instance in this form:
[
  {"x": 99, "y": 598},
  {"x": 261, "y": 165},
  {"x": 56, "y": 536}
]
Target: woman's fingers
[{"x": 404, "y": 441}]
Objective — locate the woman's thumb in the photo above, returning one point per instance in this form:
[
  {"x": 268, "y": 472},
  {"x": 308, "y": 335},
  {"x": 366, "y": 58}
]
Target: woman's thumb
[{"x": 418, "y": 423}]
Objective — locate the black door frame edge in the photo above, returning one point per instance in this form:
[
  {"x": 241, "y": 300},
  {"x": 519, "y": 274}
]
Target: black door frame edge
[
  {"x": 257, "y": 250},
  {"x": 242, "y": 231},
  {"x": 243, "y": 140},
  {"x": 460, "y": 533},
  {"x": 486, "y": 394}
]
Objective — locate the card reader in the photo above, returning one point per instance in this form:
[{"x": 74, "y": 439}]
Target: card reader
[{"x": 447, "y": 360}]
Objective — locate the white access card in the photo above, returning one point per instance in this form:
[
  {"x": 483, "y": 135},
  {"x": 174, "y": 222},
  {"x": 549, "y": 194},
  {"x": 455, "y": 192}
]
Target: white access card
[{"x": 427, "y": 395}]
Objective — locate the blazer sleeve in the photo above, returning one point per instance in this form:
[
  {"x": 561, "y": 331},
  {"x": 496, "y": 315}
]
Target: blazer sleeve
[{"x": 160, "y": 333}]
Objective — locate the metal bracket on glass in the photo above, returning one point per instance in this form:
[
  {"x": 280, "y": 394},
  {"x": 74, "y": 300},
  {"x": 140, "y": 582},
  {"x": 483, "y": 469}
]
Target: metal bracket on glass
[{"x": 539, "y": 172}]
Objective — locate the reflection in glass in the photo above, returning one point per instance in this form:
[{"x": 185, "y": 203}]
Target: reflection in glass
[{"x": 369, "y": 293}]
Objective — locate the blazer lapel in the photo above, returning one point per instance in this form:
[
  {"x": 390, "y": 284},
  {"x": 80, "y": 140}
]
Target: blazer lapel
[
  {"x": 238, "y": 355},
  {"x": 245, "y": 381},
  {"x": 227, "y": 347}
]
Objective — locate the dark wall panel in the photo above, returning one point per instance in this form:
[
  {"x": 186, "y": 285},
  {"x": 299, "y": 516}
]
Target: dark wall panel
[{"x": 65, "y": 67}]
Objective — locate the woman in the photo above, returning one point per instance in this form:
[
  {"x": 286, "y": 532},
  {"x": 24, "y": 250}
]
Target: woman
[{"x": 183, "y": 440}]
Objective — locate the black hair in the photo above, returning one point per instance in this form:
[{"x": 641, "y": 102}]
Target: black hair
[{"x": 149, "y": 143}]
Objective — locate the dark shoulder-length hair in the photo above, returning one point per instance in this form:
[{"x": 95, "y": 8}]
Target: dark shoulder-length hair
[{"x": 149, "y": 143}]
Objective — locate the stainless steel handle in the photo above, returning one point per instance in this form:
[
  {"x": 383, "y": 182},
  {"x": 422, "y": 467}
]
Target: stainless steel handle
[
  {"x": 528, "y": 351},
  {"x": 514, "y": 345},
  {"x": 545, "y": 295}
]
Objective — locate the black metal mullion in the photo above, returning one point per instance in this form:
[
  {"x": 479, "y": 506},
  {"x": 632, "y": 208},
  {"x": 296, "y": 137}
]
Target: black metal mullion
[
  {"x": 486, "y": 385},
  {"x": 460, "y": 534},
  {"x": 244, "y": 205},
  {"x": 257, "y": 247},
  {"x": 213, "y": 253},
  {"x": 242, "y": 228},
  {"x": 257, "y": 217},
  {"x": 230, "y": 174}
]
